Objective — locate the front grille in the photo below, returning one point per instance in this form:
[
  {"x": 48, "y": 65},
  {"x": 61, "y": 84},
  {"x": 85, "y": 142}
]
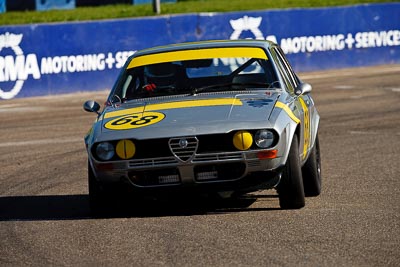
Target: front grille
[
  {"x": 220, "y": 172},
  {"x": 152, "y": 162},
  {"x": 216, "y": 143},
  {"x": 167, "y": 176},
  {"x": 183, "y": 148},
  {"x": 218, "y": 157}
]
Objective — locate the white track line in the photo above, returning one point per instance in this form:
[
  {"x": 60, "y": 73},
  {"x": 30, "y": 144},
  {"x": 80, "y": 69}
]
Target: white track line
[{"x": 41, "y": 142}]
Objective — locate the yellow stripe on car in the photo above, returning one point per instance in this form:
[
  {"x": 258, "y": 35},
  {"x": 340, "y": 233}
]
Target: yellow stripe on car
[
  {"x": 195, "y": 54},
  {"x": 288, "y": 111},
  {"x": 176, "y": 105},
  {"x": 307, "y": 129}
]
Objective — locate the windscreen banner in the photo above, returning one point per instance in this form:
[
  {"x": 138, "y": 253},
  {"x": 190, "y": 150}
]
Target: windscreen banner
[{"x": 46, "y": 59}]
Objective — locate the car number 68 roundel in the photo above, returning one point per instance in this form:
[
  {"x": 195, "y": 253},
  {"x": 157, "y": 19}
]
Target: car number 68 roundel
[{"x": 136, "y": 120}]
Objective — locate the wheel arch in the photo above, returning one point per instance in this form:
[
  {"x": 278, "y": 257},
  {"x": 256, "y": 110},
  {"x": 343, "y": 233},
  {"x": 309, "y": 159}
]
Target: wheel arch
[{"x": 292, "y": 130}]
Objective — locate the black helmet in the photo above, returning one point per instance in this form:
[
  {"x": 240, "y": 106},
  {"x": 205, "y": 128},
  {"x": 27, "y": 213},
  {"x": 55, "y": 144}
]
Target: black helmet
[{"x": 162, "y": 74}]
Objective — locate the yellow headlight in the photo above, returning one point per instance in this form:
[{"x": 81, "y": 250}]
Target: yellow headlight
[
  {"x": 242, "y": 140},
  {"x": 125, "y": 149}
]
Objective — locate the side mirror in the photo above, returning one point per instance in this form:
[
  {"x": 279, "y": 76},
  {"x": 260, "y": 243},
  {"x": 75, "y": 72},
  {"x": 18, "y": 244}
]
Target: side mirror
[
  {"x": 91, "y": 106},
  {"x": 303, "y": 88}
]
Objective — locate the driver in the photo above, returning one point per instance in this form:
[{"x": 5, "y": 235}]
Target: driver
[{"x": 160, "y": 76}]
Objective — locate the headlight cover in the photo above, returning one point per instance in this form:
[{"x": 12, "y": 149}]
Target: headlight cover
[
  {"x": 264, "y": 138},
  {"x": 242, "y": 140},
  {"x": 125, "y": 149},
  {"x": 105, "y": 151}
]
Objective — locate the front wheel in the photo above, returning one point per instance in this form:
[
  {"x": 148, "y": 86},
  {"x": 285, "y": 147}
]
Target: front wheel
[
  {"x": 290, "y": 188},
  {"x": 312, "y": 172},
  {"x": 101, "y": 201}
]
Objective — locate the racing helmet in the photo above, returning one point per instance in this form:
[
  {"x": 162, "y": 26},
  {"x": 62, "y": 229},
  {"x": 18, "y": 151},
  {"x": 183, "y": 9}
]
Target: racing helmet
[{"x": 163, "y": 75}]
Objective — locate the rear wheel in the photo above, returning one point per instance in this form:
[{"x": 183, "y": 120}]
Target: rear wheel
[
  {"x": 312, "y": 172},
  {"x": 290, "y": 188}
]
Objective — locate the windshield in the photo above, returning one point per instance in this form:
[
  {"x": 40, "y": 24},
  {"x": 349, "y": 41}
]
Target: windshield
[{"x": 195, "y": 76}]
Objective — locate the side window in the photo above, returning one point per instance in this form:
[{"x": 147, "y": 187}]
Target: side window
[
  {"x": 288, "y": 67},
  {"x": 283, "y": 71}
]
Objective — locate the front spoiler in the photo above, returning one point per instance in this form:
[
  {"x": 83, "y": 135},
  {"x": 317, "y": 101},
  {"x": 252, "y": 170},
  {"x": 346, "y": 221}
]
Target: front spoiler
[{"x": 250, "y": 183}]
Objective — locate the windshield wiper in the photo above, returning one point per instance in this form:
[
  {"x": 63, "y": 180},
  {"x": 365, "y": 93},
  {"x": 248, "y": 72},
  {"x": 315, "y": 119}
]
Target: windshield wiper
[{"x": 232, "y": 86}]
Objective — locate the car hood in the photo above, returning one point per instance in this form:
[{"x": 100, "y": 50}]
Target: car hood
[{"x": 188, "y": 115}]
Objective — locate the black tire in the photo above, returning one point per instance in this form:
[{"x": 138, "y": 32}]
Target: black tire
[
  {"x": 100, "y": 200},
  {"x": 290, "y": 188},
  {"x": 311, "y": 170}
]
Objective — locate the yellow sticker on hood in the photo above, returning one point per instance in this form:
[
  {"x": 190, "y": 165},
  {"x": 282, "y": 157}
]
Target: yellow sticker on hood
[{"x": 134, "y": 121}]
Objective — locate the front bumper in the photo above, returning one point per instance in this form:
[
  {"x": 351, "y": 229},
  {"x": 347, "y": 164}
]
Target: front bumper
[{"x": 233, "y": 171}]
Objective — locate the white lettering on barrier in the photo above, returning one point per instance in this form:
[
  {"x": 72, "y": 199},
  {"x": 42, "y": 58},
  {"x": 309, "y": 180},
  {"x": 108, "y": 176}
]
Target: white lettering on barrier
[
  {"x": 309, "y": 44},
  {"x": 314, "y": 43},
  {"x": 78, "y": 63},
  {"x": 121, "y": 57},
  {"x": 18, "y": 68},
  {"x": 377, "y": 39},
  {"x": 318, "y": 43}
]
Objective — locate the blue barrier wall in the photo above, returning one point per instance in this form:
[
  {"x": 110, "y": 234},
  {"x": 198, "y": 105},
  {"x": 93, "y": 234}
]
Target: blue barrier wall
[{"x": 43, "y": 59}]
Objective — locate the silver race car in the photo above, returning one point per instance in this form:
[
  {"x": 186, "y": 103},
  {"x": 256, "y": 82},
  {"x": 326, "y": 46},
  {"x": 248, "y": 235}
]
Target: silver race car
[{"x": 215, "y": 117}]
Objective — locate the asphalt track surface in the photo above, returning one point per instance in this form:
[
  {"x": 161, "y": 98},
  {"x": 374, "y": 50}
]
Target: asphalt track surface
[{"x": 45, "y": 220}]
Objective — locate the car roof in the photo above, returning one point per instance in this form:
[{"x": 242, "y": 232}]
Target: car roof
[{"x": 205, "y": 44}]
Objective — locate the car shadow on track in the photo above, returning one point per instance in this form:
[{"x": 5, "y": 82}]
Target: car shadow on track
[{"x": 76, "y": 207}]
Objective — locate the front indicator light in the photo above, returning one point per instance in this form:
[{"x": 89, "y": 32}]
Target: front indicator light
[
  {"x": 242, "y": 140},
  {"x": 105, "y": 151},
  {"x": 125, "y": 149},
  {"x": 105, "y": 167},
  {"x": 269, "y": 154}
]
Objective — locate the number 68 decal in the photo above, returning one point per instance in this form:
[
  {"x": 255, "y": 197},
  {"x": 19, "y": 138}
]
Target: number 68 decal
[{"x": 133, "y": 121}]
